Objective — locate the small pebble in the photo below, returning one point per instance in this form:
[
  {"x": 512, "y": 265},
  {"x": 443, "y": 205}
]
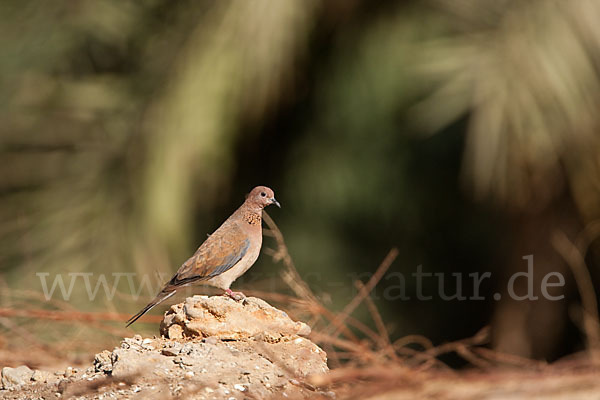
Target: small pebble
[{"x": 41, "y": 376}]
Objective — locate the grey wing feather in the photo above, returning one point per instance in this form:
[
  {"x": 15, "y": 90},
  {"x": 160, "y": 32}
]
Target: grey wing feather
[
  {"x": 231, "y": 260},
  {"x": 210, "y": 261}
]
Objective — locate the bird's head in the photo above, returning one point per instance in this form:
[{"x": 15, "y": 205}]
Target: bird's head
[{"x": 262, "y": 196}]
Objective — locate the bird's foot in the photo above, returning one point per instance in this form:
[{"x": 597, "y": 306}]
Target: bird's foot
[{"x": 237, "y": 296}]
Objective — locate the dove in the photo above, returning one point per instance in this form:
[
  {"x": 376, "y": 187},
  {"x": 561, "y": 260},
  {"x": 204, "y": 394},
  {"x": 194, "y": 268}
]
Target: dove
[{"x": 225, "y": 255}]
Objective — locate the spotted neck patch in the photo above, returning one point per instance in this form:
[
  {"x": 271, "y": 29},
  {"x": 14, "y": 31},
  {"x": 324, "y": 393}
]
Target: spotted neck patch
[{"x": 252, "y": 218}]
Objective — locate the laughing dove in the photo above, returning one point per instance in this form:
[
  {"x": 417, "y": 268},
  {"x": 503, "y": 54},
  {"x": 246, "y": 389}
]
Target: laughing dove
[{"x": 226, "y": 254}]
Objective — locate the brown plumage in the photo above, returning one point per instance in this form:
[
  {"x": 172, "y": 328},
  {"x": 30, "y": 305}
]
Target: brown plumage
[{"x": 226, "y": 254}]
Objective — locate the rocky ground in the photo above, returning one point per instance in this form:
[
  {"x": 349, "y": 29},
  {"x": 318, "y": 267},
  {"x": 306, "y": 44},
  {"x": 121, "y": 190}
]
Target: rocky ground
[
  {"x": 210, "y": 348},
  {"x": 217, "y": 348}
]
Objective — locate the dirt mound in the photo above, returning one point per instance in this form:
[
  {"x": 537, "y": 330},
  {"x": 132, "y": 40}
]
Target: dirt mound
[{"x": 212, "y": 348}]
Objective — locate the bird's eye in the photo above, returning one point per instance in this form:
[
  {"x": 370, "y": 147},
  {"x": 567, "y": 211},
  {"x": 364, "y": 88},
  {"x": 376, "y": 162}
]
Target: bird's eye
[{"x": 263, "y": 194}]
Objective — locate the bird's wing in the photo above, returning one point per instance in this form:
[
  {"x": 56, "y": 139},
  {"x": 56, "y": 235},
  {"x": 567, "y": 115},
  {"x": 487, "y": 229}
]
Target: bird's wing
[{"x": 220, "y": 252}]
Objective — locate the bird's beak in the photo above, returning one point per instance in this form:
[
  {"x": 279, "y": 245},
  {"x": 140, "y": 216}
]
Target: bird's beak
[{"x": 273, "y": 201}]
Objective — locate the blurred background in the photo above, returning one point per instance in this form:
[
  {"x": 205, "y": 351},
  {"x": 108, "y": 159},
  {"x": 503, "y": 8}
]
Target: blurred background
[{"x": 463, "y": 132}]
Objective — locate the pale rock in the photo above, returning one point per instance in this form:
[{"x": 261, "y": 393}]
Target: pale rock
[
  {"x": 226, "y": 319},
  {"x": 15, "y": 377},
  {"x": 43, "y": 376},
  {"x": 246, "y": 347},
  {"x": 103, "y": 362}
]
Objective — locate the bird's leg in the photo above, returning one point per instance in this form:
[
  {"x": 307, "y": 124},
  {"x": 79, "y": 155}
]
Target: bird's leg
[{"x": 237, "y": 296}]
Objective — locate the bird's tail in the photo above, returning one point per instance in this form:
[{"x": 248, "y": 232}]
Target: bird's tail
[{"x": 162, "y": 296}]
